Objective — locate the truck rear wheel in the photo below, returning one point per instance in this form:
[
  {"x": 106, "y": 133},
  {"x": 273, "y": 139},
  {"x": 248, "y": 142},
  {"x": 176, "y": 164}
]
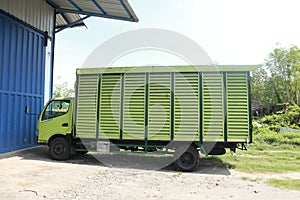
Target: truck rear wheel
[
  {"x": 59, "y": 149},
  {"x": 187, "y": 159}
]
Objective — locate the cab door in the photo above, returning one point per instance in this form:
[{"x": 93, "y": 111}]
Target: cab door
[{"x": 56, "y": 118}]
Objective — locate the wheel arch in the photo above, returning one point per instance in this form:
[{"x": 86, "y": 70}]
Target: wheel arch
[{"x": 67, "y": 137}]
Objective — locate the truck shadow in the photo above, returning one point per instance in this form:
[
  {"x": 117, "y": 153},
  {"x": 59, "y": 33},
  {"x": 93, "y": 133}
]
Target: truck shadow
[{"x": 158, "y": 162}]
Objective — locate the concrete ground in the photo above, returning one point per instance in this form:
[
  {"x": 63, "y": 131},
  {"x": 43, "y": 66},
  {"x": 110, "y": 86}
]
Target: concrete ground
[{"x": 32, "y": 174}]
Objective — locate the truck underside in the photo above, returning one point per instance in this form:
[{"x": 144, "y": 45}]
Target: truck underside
[{"x": 186, "y": 153}]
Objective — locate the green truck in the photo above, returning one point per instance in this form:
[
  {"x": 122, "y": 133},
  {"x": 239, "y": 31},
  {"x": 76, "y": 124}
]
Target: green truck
[{"x": 180, "y": 109}]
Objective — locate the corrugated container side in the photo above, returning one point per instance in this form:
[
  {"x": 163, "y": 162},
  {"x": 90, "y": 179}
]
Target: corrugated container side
[
  {"x": 22, "y": 77},
  {"x": 237, "y": 107},
  {"x": 159, "y": 122},
  {"x": 186, "y": 107},
  {"x": 134, "y": 106},
  {"x": 86, "y": 109},
  {"x": 224, "y": 105},
  {"x": 110, "y": 105},
  {"x": 213, "y": 113}
]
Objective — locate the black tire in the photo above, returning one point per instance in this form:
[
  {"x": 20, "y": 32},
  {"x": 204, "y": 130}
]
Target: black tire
[
  {"x": 59, "y": 149},
  {"x": 186, "y": 159}
]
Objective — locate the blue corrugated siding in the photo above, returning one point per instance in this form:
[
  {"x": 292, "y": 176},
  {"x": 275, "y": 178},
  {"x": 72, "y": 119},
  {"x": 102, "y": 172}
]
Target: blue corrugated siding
[{"x": 22, "y": 71}]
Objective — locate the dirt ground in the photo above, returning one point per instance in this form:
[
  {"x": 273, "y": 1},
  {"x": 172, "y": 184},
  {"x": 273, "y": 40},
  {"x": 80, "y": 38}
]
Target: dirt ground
[{"x": 31, "y": 174}]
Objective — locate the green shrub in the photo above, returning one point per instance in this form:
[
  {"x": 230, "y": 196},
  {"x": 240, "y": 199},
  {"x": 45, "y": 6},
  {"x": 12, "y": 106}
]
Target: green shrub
[
  {"x": 269, "y": 131},
  {"x": 265, "y": 135},
  {"x": 289, "y": 117}
]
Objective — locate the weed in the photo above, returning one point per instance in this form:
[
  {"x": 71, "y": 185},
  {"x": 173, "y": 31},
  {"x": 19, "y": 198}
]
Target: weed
[
  {"x": 177, "y": 175},
  {"x": 286, "y": 183},
  {"x": 270, "y": 160},
  {"x": 244, "y": 178},
  {"x": 102, "y": 173}
]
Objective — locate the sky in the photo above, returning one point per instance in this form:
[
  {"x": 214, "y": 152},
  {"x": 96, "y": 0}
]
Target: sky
[{"x": 231, "y": 32}]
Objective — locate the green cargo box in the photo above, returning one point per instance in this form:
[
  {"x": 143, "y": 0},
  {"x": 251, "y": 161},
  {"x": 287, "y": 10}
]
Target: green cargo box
[{"x": 162, "y": 104}]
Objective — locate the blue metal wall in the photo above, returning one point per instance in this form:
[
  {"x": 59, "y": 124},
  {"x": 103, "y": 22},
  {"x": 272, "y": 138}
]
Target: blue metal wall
[{"x": 22, "y": 71}]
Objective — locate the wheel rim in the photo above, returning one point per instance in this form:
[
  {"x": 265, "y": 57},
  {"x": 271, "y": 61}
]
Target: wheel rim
[
  {"x": 186, "y": 159},
  {"x": 59, "y": 149}
]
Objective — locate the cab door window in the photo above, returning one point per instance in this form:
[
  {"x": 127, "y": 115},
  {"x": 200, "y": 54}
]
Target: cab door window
[{"x": 56, "y": 108}]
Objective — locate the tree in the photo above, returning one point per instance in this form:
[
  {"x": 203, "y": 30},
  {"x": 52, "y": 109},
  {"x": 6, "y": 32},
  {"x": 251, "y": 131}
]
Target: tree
[
  {"x": 63, "y": 90},
  {"x": 258, "y": 86},
  {"x": 295, "y": 70},
  {"x": 278, "y": 81}
]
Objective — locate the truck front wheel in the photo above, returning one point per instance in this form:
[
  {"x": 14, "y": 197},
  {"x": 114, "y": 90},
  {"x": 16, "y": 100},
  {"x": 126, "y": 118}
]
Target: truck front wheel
[
  {"x": 59, "y": 149},
  {"x": 187, "y": 160}
]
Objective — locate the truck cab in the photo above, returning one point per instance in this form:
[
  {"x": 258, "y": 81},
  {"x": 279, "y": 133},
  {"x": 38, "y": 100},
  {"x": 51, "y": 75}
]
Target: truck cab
[{"x": 55, "y": 121}]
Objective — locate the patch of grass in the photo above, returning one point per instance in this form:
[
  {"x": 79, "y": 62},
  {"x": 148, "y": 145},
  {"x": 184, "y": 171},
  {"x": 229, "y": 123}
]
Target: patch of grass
[
  {"x": 287, "y": 183},
  {"x": 264, "y": 147},
  {"x": 102, "y": 173},
  {"x": 269, "y": 137},
  {"x": 177, "y": 175},
  {"x": 272, "y": 151},
  {"x": 245, "y": 178},
  {"x": 269, "y": 160}
]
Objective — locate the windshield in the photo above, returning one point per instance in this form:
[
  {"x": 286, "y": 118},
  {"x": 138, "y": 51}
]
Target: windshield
[{"x": 56, "y": 108}]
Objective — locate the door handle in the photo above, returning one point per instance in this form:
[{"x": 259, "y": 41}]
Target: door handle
[{"x": 65, "y": 125}]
